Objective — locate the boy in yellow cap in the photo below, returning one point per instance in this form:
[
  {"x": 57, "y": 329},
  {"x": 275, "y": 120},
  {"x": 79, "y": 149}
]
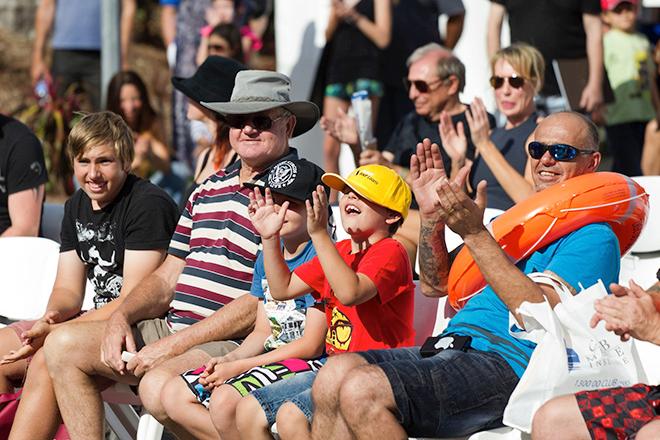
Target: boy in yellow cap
[{"x": 365, "y": 283}]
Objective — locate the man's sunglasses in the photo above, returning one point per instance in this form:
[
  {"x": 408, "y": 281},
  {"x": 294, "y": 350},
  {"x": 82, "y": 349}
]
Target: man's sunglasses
[
  {"x": 559, "y": 152},
  {"x": 514, "y": 81},
  {"x": 421, "y": 86},
  {"x": 258, "y": 122}
]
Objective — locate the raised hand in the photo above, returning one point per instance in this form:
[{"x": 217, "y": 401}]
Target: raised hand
[
  {"x": 368, "y": 157},
  {"x": 477, "y": 118},
  {"x": 342, "y": 127},
  {"x": 426, "y": 170},
  {"x": 317, "y": 212},
  {"x": 460, "y": 213},
  {"x": 454, "y": 141},
  {"x": 267, "y": 220}
]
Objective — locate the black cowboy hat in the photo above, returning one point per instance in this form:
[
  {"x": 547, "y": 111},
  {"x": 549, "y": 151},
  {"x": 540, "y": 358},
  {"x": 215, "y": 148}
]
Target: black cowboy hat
[{"x": 213, "y": 81}]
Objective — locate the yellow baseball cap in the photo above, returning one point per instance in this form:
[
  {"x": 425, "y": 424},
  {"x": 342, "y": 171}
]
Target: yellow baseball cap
[{"x": 376, "y": 183}]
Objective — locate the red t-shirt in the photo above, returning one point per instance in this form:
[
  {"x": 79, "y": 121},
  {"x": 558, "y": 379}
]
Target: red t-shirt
[{"x": 386, "y": 320}]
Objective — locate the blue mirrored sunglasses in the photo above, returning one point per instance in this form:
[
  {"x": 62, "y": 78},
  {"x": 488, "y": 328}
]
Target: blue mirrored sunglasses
[{"x": 559, "y": 152}]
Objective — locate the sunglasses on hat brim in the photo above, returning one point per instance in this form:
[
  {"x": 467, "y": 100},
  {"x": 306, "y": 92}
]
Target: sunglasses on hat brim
[{"x": 559, "y": 152}]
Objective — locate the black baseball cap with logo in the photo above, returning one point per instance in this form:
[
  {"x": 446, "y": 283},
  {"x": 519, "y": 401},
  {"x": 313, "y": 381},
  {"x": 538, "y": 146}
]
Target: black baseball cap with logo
[{"x": 293, "y": 179}]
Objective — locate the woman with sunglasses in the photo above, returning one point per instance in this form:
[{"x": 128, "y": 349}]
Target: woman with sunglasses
[{"x": 500, "y": 157}]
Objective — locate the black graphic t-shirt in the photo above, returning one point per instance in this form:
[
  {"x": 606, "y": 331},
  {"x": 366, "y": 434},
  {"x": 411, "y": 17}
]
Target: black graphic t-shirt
[
  {"x": 21, "y": 163},
  {"x": 142, "y": 217}
]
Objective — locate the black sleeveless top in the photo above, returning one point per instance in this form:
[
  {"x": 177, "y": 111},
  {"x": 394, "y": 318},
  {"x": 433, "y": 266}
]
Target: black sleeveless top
[{"x": 352, "y": 55}]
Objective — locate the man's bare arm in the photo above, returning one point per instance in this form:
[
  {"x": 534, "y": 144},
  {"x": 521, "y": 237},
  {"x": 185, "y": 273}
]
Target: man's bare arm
[
  {"x": 151, "y": 298},
  {"x": 25, "y": 212}
]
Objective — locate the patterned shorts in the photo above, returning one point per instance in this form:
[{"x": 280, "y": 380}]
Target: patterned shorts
[
  {"x": 618, "y": 413},
  {"x": 344, "y": 91},
  {"x": 253, "y": 379}
]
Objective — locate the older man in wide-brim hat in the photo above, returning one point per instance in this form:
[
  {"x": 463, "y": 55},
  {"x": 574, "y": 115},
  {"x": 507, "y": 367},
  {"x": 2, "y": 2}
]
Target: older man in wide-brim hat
[
  {"x": 197, "y": 301},
  {"x": 261, "y": 116}
]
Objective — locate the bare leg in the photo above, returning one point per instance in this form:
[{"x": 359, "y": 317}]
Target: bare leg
[
  {"x": 38, "y": 398},
  {"x": 560, "y": 418},
  {"x": 367, "y": 404},
  {"x": 191, "y": 417},
  {"x": 327, "y": 422},
  {"x": 153, "y": 383},
  {"x": 13, "y": 373},
  {"x": 650, "y": 431},
  {"x": 251, "y": 420},
  {"x": 74, "y": 362},
  {"x": 331, "y": 146},
  {"x": 224, "y": 401},
  {"x": 292, "y": 423}
]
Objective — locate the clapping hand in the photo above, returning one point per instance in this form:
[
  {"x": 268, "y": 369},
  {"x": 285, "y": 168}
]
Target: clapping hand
[
  {"x": 264, "y": 215},
  {"x": 317, "y": 212},
  {"x": 628, "y": 312},
  {"x": 426, "y": 170},
  {"x": 459, "y": 212},
  {"x": 454, "y": 141},
  {"x": 342, "y": 127},
  {"x": 344, "y": 12},
  {"x": 477, "y": 118}
]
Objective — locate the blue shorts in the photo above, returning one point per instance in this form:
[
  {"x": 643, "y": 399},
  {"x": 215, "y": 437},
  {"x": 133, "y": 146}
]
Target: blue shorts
[
  {"x": 296, "y": 389},
  {"x": 451, "y": 394}
]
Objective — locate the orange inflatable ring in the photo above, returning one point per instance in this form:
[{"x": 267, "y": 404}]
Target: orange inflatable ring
[{"x": 551, "y": 214}]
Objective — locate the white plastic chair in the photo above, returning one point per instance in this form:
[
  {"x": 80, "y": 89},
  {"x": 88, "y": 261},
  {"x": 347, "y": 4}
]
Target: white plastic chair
[
  {"x": 28, "y": 266},
  {"x": 643, "y": 260},
  {"x": 649, "y": 240}
]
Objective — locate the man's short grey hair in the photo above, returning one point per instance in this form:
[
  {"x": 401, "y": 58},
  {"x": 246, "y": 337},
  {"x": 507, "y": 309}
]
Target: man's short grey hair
[
  {"x": 422, "y": 51},
  {"x": 447, "y": 65}
]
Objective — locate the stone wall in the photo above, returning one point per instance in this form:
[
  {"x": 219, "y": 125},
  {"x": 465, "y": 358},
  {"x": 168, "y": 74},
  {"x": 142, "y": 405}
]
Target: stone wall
[{"x": 18, "y": 16}]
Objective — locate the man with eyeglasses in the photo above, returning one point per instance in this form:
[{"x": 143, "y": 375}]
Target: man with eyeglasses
[
  {"x": 460, "y": 382},
  {"x": 199, "y": 294},
  {"x": 435, "y": 79}
]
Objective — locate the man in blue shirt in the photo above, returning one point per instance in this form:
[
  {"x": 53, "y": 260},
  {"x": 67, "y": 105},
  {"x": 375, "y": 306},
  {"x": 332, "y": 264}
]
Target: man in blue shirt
[
  {"x": 456, "y": 392},
  {"x": 76, "y": 43}
]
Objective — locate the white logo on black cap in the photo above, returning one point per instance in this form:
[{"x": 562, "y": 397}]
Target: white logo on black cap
[{"x": 282, "y": 175}]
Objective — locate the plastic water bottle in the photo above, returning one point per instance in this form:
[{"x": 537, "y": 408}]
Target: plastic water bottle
[
  {"x": 41, "y": 91},
  {"x": 362, "y": 108}
]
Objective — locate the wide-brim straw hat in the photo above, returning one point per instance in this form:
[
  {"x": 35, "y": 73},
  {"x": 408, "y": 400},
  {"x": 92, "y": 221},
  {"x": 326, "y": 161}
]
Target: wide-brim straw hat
[{"x": 260, "y": 90}]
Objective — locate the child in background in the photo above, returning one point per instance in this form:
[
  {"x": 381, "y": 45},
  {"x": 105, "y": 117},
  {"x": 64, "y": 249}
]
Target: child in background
[
  {"x": 630, "y": 70},
  {"x": 283, "y": 329},
  {"x": 365, "y": 283}
]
